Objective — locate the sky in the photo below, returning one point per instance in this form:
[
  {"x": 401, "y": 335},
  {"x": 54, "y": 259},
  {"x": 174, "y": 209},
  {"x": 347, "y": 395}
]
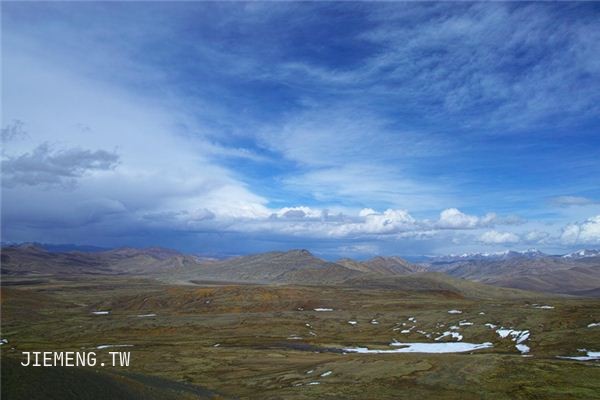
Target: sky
[{"x": 350, "y": 129}]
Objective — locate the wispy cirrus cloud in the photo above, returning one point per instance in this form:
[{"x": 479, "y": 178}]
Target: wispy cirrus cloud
[
  {"x": 491, "y": 65},
  {"x": 568, "y": 201}
]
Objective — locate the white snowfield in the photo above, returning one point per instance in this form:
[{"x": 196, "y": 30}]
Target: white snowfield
[
  {"x": 543, "y": 307},
  {"x": 491, "y": 326},
  {"x": 465, "y": 323},
  {"x": 352, "y": 322},
  {"x": 323, "y": 309},
  {"x": 449, "y": 347},
  {"x": 454, "y": 312},
  {"x": 326, "y": 373},
  {"x": 100, "y": 312},
  {"x": 593, "y": 324},
  {"x": 146, "y": 315}
]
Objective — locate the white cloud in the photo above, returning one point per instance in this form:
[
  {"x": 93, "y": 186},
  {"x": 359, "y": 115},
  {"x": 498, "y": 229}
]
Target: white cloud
[
  {"x": 366, "y": 211},
  {"x": 495, "y": 237},
  {"x": 452, "y": 218},
  {"x": 584, "y": 232},
  {"x": 536, "y": 236},
  {"x": 389, "y": 221},
  {"x": 366, "y": 222}
]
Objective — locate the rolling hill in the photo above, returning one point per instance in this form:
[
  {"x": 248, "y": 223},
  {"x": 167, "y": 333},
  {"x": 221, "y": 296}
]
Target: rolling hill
[
  {"x": 382, "y": 266},
  {"x": 29, "y": 259},
  {"x": 555, "y": 274}
]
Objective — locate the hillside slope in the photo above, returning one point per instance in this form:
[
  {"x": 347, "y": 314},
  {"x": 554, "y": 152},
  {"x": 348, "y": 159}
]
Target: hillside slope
[{"x": 547, "y": 274}]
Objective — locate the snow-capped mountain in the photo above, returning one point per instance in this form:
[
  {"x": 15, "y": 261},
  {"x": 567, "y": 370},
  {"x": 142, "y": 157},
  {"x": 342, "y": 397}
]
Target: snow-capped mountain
[
  {"x": 502, "y": 255},
  {"x": 583, "y": 254}
]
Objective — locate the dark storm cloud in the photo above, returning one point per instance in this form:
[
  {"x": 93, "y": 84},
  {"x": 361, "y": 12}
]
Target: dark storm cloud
[
  {"x": 13, "y": 131},
  {"x": 48, "y": 167}
]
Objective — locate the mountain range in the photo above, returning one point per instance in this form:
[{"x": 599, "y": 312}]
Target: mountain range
[{"x": 576, "y": 273}]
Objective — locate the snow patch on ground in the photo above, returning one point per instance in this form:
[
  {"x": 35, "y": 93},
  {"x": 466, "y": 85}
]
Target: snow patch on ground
[
  {"x": 454, "y": 335},
  {"x": 323, "y": 309},
  {"x": 107, "y": 346},
  {"x": 523, "y": 348},
  {"x": 591, "y": 355},
  {"x": 517, "y": 336},
  {"x": 454, "y": 312}
]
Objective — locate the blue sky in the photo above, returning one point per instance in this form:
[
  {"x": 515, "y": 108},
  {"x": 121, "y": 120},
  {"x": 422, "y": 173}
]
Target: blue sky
[{"x": 351, "y": 129}]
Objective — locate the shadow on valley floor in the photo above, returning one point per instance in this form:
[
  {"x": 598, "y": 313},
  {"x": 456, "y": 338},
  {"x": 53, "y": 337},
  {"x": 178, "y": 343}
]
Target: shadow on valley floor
[{"x": 81, "y": 383}]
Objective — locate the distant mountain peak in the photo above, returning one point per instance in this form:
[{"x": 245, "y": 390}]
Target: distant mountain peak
[
  {"x": 302, "y": 252},
  {"x": 499, "y": 255},
  {"x": 583, "y": 253}
]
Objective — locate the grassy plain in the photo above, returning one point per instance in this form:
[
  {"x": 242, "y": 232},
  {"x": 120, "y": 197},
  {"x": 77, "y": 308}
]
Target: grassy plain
[{"x": 267, "y": 342}]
